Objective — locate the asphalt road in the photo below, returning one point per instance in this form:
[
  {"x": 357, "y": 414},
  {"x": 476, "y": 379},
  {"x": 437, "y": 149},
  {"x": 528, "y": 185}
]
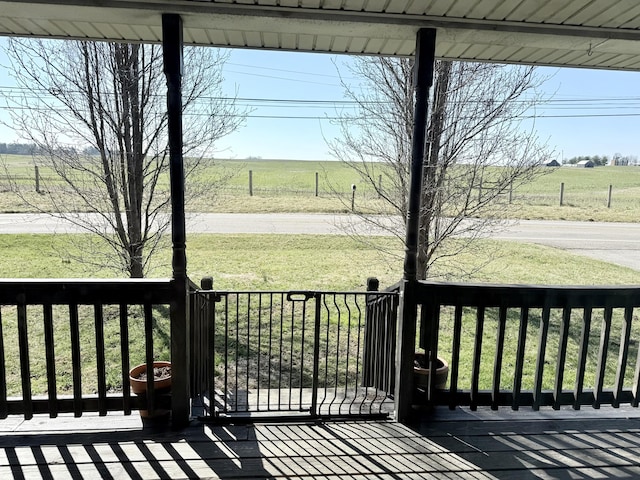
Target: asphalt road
[{"x": 612, "y": 242}]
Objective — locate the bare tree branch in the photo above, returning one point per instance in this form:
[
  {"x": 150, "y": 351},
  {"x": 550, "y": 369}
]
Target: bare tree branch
[
  {"x": 478, "y": 148},
  {"x": 97, "y": 113}
]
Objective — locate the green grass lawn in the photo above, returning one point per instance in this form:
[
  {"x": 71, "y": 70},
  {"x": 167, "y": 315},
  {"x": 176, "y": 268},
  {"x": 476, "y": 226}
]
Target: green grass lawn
[{"x": 293, "y": 262}]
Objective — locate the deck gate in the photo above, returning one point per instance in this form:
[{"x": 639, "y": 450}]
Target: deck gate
[{"x": 263, "y": 354}]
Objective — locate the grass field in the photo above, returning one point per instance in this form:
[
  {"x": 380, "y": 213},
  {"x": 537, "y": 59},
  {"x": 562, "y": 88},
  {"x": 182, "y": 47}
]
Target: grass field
[
  {"x": 293, "y": 262},
  {"x": 290, "y": 186}
]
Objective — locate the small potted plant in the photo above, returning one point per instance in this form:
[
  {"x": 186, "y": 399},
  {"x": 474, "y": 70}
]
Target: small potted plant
[
  {"x": 161, "y": 383},
  {"x": 422, "y": 373}
]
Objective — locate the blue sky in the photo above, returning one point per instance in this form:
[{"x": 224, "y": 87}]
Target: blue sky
[{"x": 575, "y": 93}]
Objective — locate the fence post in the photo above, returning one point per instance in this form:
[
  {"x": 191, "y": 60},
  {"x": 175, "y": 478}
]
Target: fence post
[
  {"x": 37, "y": 180},
  {"x": 316, "y": 184},
  {"x": 480, "y": 191},
  {"x": 353, "y": 197},
  {"x": 379, "y": 186},
  {"x": 510, "y": 193},
  {"x": 609, "y": 199},
  {"x": 561, "y": 193},
  {"x": 251, "y": 183}
]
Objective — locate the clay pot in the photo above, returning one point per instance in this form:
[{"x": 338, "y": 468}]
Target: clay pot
[
  {"x": 161, "y": 385},
  {"x": 421, "y": 375}
]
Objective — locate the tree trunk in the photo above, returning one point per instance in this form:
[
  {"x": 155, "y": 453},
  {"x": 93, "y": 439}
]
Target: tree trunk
[{"x": 430, "y": 190}]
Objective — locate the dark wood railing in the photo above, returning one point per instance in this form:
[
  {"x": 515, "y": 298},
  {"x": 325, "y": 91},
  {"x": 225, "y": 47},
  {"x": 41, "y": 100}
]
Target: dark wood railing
[
  {"x": 67, "y": 345},
  {"x": 513, "y": 345}
]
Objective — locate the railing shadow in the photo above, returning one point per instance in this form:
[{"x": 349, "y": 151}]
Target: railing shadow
[
  {"x": 142, "y": 453},
  {"x": 534, "y": 445},
  {"x": 461, "y": 444}
]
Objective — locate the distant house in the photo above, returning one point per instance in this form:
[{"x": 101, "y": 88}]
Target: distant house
[
  {"x": 585, "y": 164},
  {"x": 551, "y": 163}
]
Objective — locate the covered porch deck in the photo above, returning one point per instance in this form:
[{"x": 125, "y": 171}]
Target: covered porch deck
[
  {"x": 484, "y": 444},
  {"x": 475, "y": 443}
]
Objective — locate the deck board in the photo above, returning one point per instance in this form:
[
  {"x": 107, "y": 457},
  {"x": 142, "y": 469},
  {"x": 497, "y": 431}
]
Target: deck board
[{"x": 443, "y": 445}]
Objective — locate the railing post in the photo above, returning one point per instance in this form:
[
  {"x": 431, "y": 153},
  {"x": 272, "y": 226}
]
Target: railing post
[{"x": 180, "y": 356}]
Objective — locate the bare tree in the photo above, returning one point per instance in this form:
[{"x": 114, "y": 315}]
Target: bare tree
[
  {"x": 477, "y": 147},
  {"x": 97, "y": 113}
]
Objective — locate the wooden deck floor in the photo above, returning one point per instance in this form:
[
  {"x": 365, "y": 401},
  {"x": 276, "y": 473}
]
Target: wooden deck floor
[{"x": 479, "y": 445}]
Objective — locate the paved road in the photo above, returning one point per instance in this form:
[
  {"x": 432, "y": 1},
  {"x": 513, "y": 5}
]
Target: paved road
[{"x": 613, "y": 242}]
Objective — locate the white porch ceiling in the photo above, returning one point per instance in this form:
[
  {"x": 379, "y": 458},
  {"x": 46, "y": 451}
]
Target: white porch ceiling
[{"x": 579, "y": 33}]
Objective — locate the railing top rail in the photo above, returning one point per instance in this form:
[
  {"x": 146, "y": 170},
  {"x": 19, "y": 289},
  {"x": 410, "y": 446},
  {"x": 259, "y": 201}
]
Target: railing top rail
[
  {"x": 85, "y": 291},
  {"x": 532, "y": 296},
  {"x": 295, "y": 292}
]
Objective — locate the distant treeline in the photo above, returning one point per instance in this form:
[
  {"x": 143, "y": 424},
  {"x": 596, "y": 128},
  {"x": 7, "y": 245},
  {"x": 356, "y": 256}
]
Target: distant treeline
[
  {"x": 19, "y": 149},
  {"x": 33, "y": 149}
]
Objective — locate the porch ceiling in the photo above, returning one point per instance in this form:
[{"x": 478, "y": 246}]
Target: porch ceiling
[{"x": 577, "y": 33}]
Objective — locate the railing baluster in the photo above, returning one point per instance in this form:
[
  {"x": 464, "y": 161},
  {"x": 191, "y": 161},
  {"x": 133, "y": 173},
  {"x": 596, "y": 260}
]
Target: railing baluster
[
  {"x": 124, "y": 356},
  {"x": 360, "y": 328},
  {"x": 100, "y": 361},
  {"x": 455, "y": 357},
  {"x": 225, "y": 387},
  {"x": 316, "y": 354},
  {"x": 280, "y": 349},
  {"x": 337, "y": 350},
  {"x": 542, "y": 349},
  {"x": 259, "y": 353},
  {"x": 582, "y": 356},
  {"x": 622, "y": 355},
  {"x": 237, "y": 348},
  {"x": 303, "y": 332},
  {"x": 477, "y": 353},
  {"x": 348, "y": 354},
  {"x": 520, "y": 353},
  {"x": 390, "y": 334},
  {"x": 4, "y": 411},
  {"x": 433, "y": 328},
  {"x": 247, "y": 350},
  {"x": 497, "y": 364},
  {"x": 25, "y": 370},
  {"x": 270, "y": 350},
  {"x": 326, "y": 352},
  {"x": 74, "y": 330},
  {"x": 291, "y": 348},
  {"x": 602, "y": 356},
  {"x": 49, "y": 344},
  {"x": 636, "y": 382},
  {"x": 148, "y": 329},
  {"x": 562, "y": 357}
]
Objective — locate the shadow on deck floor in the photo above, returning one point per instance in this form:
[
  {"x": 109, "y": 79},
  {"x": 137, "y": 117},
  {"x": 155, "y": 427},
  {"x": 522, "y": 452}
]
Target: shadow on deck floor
[{"x": 461, "y": 444}]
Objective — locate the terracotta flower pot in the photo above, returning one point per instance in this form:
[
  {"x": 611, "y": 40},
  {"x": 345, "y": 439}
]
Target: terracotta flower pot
[
  {"x": 161, "y": 384},
  {"x": 422, "y": 375}
]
